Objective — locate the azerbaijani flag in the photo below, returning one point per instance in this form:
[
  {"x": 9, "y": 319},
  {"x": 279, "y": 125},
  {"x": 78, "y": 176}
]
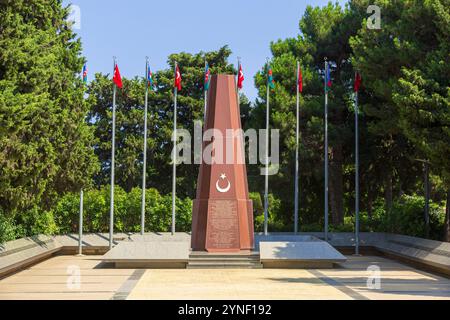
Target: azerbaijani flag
[
  {"x": 207, "y": 78},
  {"x": 328, "y": 78},
  {"x": 85, "y": 74},
  {"x": 270, "y": 81},
  {"x": 150, "y": 83}
]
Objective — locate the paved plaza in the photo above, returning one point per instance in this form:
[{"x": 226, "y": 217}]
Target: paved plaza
[{"x": 57, "y": 278}]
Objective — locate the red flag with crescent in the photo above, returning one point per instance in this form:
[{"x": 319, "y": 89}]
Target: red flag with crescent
[
  {"x": 240, "y": 77},
  {"x": 177, "y": 83},
  {"x": 117, "y": 78}
]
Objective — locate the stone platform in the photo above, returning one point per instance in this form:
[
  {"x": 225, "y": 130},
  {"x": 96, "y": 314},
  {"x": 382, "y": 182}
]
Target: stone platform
[
  {"x": 174, "y": 252},
  {"x": 310, "y": 253},
  {"x": 149, "y": 255},
  {"x": 430, "y": 255}
]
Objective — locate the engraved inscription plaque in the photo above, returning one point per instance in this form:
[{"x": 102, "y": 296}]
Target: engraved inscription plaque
[{"x": 223, "y": 227}]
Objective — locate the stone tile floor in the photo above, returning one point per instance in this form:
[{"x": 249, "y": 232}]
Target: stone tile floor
[{"x": 56, "y": 278}]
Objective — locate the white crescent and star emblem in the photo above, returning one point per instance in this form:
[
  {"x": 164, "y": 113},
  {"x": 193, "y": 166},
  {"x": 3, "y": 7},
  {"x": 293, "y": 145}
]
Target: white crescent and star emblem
[{"x": 223, "y": 190}]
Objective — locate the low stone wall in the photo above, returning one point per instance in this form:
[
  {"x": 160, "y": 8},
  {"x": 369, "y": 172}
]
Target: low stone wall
[{"x": 18, "y": 254}]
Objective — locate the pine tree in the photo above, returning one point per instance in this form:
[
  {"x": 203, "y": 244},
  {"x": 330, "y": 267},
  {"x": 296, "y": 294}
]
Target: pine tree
[
  {"x": 44, "y": 139},
  {"x": 324, "y": 32},
  {"x": 422, "y": 93}
]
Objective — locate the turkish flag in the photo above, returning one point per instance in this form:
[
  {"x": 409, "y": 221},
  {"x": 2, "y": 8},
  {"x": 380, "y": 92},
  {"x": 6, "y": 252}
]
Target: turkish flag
[
  {"x": 300, "y": 80},
  {"x": 117, "y": 78},
  {"x": 240, "y": 77},
  {"x": 358, "y": 82},
  {"x": 177, "y": 83}
]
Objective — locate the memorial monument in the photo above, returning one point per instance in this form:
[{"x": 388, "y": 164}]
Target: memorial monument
[{"x": 222, "y": 219}]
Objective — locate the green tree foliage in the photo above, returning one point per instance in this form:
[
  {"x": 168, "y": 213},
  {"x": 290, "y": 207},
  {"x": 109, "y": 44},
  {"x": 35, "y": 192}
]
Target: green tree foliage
[
  {"x": 422, "y": 93},
  {"x": 398, "y": 66},
  {"x": 44, "y": 139},
  {"x": 405, "y": 66},
  {"x": 324, "y": 33},
  {"x": 130, "y": 120},
  {"x": 127, "y": 211},
  {"x": 379, "y": 56}
]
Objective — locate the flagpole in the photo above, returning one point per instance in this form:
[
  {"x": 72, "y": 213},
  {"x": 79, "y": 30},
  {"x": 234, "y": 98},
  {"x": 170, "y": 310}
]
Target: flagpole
[
  {"x": 266, "y": 189},
  {"x": 174, "y": 168},
  {"x": 296, "y": 153},
  {"x": 144, "y": 167},
  {"x": 113, "y": 147},
  {"x": 356, "y": 175},
  {"x": 80, "y": 226},
  {"x": 326, "y": 154}
]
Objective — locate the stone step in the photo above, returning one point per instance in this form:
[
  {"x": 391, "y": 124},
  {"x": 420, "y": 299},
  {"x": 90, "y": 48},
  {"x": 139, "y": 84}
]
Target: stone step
[
  {"x": 193, "y": 258},
  {"x": 223, "y": 265},
  {"x": 206, "y": 260},
  {"x": 221, "y": 261},
  {"x": 200, "y": 255}
]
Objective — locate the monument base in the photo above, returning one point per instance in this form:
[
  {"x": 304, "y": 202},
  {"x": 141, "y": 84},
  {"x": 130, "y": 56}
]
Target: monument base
[
  {"x": 300, "y": 252},
  {"x": 225, "y": 228},
  {"x": 157, "y": 254},
  {"x": 164, "y": 250}
]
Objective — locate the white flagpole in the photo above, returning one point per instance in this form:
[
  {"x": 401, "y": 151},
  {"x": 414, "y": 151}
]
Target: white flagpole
[
  {"x": 144, "y": 169},
  {"x": 80, "y": 226},
  {"x": 174, "y": 168},
  {"x": 266, "y": 188},
  {"x": 326, "y": 154},
  {"x": 356, "y": 175},
  {"x": 296, "y": 153},
  {"x": 113, "y": 147}
]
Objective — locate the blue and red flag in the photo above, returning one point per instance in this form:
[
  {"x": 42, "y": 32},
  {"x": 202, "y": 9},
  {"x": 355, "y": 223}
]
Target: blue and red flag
[
  {"x": 328, "y": 78},
  {"x": 85, "y": 74},
  {"x": 150, "y": 83},
  {"x": 270, "y": 81},
  {"x": 207, "y": 78}
]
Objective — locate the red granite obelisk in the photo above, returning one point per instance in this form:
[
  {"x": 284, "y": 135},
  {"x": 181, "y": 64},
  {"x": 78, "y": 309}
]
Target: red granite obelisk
[{"x": 222, "y": 219}]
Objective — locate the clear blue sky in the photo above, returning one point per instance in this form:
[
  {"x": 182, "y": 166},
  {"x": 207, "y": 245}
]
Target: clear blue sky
[{"x": 133, "y": 29}]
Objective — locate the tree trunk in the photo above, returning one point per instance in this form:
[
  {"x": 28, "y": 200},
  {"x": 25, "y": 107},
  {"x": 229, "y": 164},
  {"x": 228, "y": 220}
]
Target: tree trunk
[
  {"x": 336, "y": 186},
  {"x": 447, "y": 219}
]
